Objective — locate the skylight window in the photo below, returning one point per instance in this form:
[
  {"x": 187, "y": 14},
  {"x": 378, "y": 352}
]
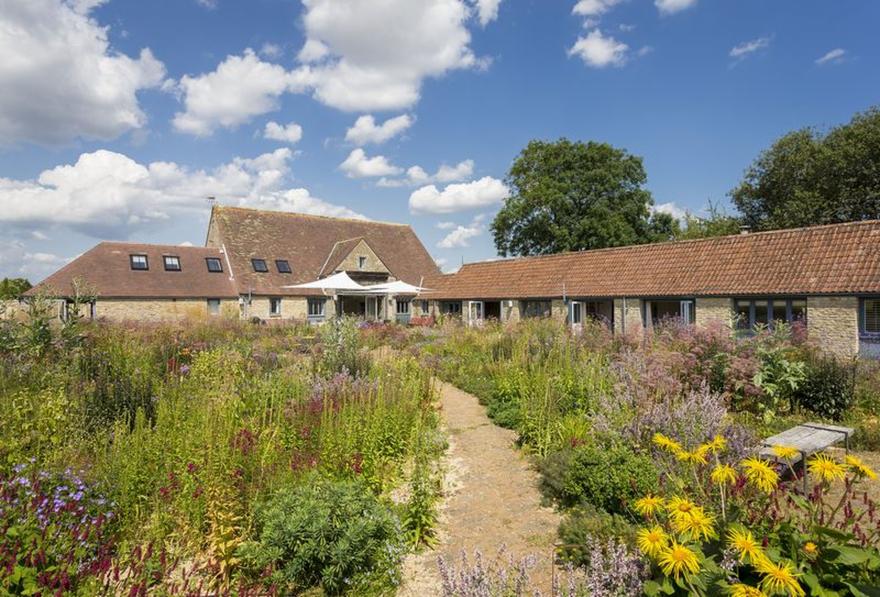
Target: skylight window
[
  {"x": 172, "y": 263},
  {"x": 214, "y": 264},
  {"x": 283, "y": 266},
  {"x": 260, "y": 265},
  {"x": 139, "y": 262}
]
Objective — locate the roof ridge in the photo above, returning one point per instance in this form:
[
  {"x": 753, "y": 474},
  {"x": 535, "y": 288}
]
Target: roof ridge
[
  {"x": 779, "y": 231},
  {"x": 306, "y": 215},
  {"x": 155, "y": 245}
]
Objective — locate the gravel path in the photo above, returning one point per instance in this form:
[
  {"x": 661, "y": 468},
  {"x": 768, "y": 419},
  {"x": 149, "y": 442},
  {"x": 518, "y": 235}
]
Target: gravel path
[{"x": 491, "y": 499}]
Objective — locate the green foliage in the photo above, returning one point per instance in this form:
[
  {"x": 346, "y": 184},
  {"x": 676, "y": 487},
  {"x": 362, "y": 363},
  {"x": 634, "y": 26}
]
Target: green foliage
[
  {"x": 609, "y": 476},
  {"x": 585, "y": 523},
  {"x": 340, "y": 349},
  {"x": 807, "y": 178},
  {"x": 716, "y": 223},
  {"x": 333, "y": 534},
  {"x": 828, "y": 388},
  {"x": 13, "y": 288},
  {"x": 780, "y": 375},
  {"x": 570, "y": 196}
]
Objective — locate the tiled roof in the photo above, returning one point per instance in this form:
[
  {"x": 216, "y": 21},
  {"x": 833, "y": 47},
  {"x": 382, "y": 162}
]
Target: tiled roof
[
  {"x": 833, "y": 259},
  {"x": 106, "y": 270},
  {"x": 306, "y": 242}
]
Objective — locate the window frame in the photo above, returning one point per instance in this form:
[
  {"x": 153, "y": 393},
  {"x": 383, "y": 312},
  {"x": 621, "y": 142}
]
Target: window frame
[
  {"x": 319, "y": 302},
  {"x": 400, "y": 302},
  {"x": 214, "y": 301},
  {"x": 863, "y": 318},
  {"x": 165, "y": 259},
  {"x": 286, "y": 263},
  {"x": 218, "y": 261},
  {"x": 544, "y": 314},
  {"x": 131, "y": 262},
  {"x": 273, "y": 302},
  {"x": 771, "y": 307},
  {"x": 362, "y": 262},
  {"x": 264, "y": 269}
]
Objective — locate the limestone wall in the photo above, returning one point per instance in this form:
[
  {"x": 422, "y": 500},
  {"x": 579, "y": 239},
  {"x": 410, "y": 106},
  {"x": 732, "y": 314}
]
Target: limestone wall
[
  {"x": 292, "y": 307},
  {"x": 833, "y": 323},
  {"x": 362, "y": 249},
  {"x": 710, "y": 310},
  {"x": 156, "y": 310},
  {"x": 627, "y": 316}
]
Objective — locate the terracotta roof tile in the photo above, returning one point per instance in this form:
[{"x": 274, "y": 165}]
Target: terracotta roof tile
[{"x": 833, "y": 259}]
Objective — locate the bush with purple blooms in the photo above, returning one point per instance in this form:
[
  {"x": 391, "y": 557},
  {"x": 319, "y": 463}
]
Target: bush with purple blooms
[{"x": 55, "y": 531}]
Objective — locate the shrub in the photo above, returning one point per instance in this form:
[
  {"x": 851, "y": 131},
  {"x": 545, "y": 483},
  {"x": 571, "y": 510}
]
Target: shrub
[
  {"x": 607, "y": 476},
  {"x": 332, "y": 534},
  {"x": 829, "y": 388},
  {"x": 339, "y": 350},
  {"x": 585, "y": 524}
]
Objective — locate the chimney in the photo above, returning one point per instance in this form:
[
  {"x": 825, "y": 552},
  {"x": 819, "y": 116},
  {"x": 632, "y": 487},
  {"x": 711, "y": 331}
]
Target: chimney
[{"x": 745, "y": 229}]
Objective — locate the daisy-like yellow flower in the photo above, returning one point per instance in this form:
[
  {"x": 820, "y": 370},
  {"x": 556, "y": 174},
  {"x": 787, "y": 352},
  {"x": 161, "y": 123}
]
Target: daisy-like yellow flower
[
  {"x": 723, "y": 474},
  {"x": 652, "y": 541},
  {"x": 741, "y": 590},
  {"x": 785, "y": 452},
  {"x": 667, "y": 443},
  {"x": 717, "y": 444},
  {"x": 760, "y": 474},
  {"x": 649, "y": 505},
  {"x": 679, "y": 507},
  {"x": 811, "y": 549},
  {"x": 826, "y": 468},
  {"x": 696, "y": 525},
  {"x": 698, "y": 456},
  {"x": 744, "y": 543},
  {"x": 779, "y": 578},
  {"x": 678, "y": 559},
  {"x": 861, "y": 469}
]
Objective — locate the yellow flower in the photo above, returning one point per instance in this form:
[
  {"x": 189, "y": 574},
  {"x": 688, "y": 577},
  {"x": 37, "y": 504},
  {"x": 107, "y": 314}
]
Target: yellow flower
[
  {"x": 678, "y": 507},
  {"x": 667, "y": 443},
  {"x": 718, "y": 443},
  {"x": 678, "y": 559},
  {"x": 696, "y": 525},
  {"x": 785, "y": 452},
  {"x": 860, "y": 468},
  {"x": 648, "y": 505},
  {"x": 741, "y": 590},
  {"x": 698, "y": 456},
  {"x": 810, "y": 548},
  {"x": 779, "y": 578},
  {"x": 652, "y": 541},
  {"x": 723, "y": 474},
  {"x": 826, "y": 468},
  {"x": 744, "y": 543},
  {"x": 760, "y": 474}
]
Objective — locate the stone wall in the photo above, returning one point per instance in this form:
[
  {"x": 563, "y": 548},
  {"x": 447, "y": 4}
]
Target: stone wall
[
  {"x": 156, "y": 310},
  {"x": 362, "y": 249},
  {"x": 833, "y": 323},
  {"x": 292, "y": 307},
  {"x": 627, "y": 316},
  {"x": 511, "y": 311},
  {"x": 710, "y": 310},
  {"x": 12, "y": 309}
]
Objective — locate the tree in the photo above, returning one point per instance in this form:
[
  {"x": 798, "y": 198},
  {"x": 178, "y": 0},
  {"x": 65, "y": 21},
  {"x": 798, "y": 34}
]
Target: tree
[
  {"x": 12, "y": 288},
  {"x": 569, "y": 196},
  {"x": 717, "y": 223},
  {"x": 807, "y": 178}
]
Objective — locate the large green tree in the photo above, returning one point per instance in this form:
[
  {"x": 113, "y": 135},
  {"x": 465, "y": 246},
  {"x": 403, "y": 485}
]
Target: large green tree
[
  {"x": 807, "y": 177},
  {"x": 569, "y": 196},
  {"x": 11, "y": 288}
]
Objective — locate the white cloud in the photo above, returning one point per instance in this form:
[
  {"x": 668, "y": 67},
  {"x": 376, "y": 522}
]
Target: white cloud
[
  {"x": 108, "y": 194},
  {"x": 240, "y": 88},
  {"x": 445, "y": 225},
  {"x": 271, "y": 51},
  {"x": 61, "y": 80},
  {"x": 416, "y": 175},
  {"x": 487, "y": 10},
  {"x": 668, "y": 7},
  {"x": 460, "y": 237},
  {"x": 599, "y": 51},
  {"x": 594, "y": 8},
  {"x": 358, "y": 165},
  {"x": 367, "y": 55},
  {"x": 742, "y": 50},
  {"x": 626, "y": 28},
  {"x": 458, "y": 197},
  {"x": 365, "y": 130},
  {"x": 833, "y": 56},
  {"x": 209, "y": 4},
  {"x": 289, "y": 133},
  {"x": 672, "y": 209}
]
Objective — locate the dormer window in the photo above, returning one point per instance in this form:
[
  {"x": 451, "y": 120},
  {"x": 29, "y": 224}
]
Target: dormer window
[
  {"x": 172, "y": 263},
  {"x": 139, "y": 262},
  {"x": 362, "y": 262},
  {"x": 283, "y": 266},
  {"x": 260, "y": 266},
  {"x": 214, "y": 265}
]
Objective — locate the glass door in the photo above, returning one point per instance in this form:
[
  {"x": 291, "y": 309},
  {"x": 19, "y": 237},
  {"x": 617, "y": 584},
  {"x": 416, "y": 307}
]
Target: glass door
[
  {"x": 372, "y": 308},
  {"x": 475, "y": 312},
  {"x": 577, "y": 313}
]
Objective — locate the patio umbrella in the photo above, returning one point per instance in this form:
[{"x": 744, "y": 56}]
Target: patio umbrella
[
  {"x": 334, "y": 283},
  {"x": 398, "y": 287}
]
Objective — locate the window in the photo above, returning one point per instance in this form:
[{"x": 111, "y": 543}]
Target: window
[
  {"x": 403, "y": 306},
  {"x": 768, "y": 312},
  {"x": 450, "y": 307},
  {"x": 260, "y": 265},
  {"x": 172, "y": 263},
  {"x": 657, "y": 312},
  {"x": 139, "y": 262},
  {"x": 275, "y": 307},
  {"x": 362, "y": 262},
  {"x": 536, "y": 308},
  {"x": 425, "y": 308},
  {"x": 870, "y": 316},
  {"x": 213, "y": 306},
  {"x": 214, "y": 264},
  {"x": 577, "y": 313},
  {"x": 283, "y": 266},
  {"x": 316, "y": 308}
]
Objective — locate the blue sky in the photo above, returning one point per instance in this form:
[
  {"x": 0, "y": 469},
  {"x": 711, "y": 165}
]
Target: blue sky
[{"x": 118, "y": 118}]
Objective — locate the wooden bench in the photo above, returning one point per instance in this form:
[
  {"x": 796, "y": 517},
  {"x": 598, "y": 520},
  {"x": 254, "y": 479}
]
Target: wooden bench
[{"x": 807, "y": 439}]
